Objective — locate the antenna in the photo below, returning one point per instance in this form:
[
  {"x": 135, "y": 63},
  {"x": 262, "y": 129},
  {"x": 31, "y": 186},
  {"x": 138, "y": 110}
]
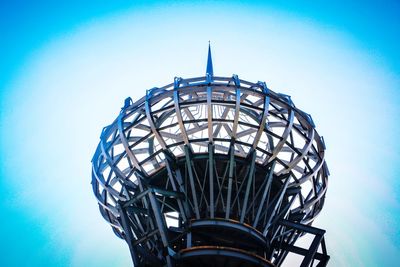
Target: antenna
[{"x": 209, "y": 69}]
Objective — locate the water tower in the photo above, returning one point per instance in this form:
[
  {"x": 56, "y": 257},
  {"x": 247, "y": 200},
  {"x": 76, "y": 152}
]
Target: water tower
[{"x": 213, "y": 171}]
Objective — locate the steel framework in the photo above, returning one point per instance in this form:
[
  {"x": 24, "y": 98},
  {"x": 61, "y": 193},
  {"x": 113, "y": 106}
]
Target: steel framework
[{"x": 212, "y": 171}]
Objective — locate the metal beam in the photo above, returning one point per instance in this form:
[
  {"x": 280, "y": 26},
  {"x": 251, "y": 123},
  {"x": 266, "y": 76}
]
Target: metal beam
[
  {"x": 210, "y": 114},
  {"x": 270, "y": 175},
  {"x": 249, "y": 182},
  {"x": 129, "y": 236},
  {"x": 230, "y": 179},
  {"x": 191, "y": 180},
  {"x": 161, "y": 225},
  {"x": 175, "y": 188},
  {"x": 275, "y": 207},
  {"x": 211, "y": 177}
]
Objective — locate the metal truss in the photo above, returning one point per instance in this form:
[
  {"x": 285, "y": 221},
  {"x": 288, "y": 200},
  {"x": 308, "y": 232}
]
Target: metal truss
[{"x": 212, "y": 166}]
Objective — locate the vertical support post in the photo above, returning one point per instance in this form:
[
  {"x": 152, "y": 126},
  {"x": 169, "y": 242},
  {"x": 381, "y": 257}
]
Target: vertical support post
[
  {"x": 211, "y": 177},
  {"x": 172, "y": 179},
  {"x": 278, "y": 202},
  {"x": 231, "y": 164},
  {"x": 265, "y": 193},
  {"x": 183, "y": 190},
  {"x": 232, "y": 145},
  {"x": 249, "y": 182},
  {"x": 209, "y": 114},
  {"x": 129, "y": 236},
  {"x": 237, "y": 108},
  {"x": 159, "y": 220},
  {"x": 264, "y": 115},
  {"x": 161, "y": 225},
  {"x": 191, "y": 179},
  {"x": 179, "y": 113}
]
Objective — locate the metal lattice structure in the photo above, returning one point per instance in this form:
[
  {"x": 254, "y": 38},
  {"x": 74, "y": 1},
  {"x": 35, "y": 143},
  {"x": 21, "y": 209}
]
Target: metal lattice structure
[{"x": 212, "y": 171}]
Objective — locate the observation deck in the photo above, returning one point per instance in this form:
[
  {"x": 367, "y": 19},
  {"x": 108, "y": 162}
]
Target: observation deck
[{"x": 212, "y": 171}]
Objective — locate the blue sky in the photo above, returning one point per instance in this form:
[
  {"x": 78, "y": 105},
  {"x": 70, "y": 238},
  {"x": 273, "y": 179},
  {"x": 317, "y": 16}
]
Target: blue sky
[{"x": 66, "y": 68}]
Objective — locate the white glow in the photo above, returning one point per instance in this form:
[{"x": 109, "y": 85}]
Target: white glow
[{"x": 76, "y": 85}]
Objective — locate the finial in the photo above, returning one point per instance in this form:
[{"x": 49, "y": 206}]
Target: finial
[{"x": 209, "y": 69}]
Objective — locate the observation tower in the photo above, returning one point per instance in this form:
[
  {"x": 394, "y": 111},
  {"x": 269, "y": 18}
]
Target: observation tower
[{"x": 213, "y": 171}]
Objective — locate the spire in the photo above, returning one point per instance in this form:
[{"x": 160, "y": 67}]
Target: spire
[{"x": 209, "y": 69}]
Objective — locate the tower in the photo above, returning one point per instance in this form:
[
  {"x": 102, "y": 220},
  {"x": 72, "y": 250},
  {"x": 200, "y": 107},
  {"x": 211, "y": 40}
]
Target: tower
[{"x": 213, "y": 171}]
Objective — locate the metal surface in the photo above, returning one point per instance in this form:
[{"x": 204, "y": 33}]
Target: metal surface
[{"x": 216, "y": 150}]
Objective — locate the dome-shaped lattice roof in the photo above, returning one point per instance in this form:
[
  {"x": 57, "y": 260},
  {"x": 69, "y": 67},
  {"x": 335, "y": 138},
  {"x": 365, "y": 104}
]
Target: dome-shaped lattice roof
[{"x": 191, "y": 116}]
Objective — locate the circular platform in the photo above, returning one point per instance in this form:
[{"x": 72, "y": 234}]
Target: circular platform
[
  {"x": 228, "y": 233},
  {"x": 213, "y": 256}
]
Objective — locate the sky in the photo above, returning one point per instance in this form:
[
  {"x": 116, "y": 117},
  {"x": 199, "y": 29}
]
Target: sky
[{"x": 66, "y": 68}]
